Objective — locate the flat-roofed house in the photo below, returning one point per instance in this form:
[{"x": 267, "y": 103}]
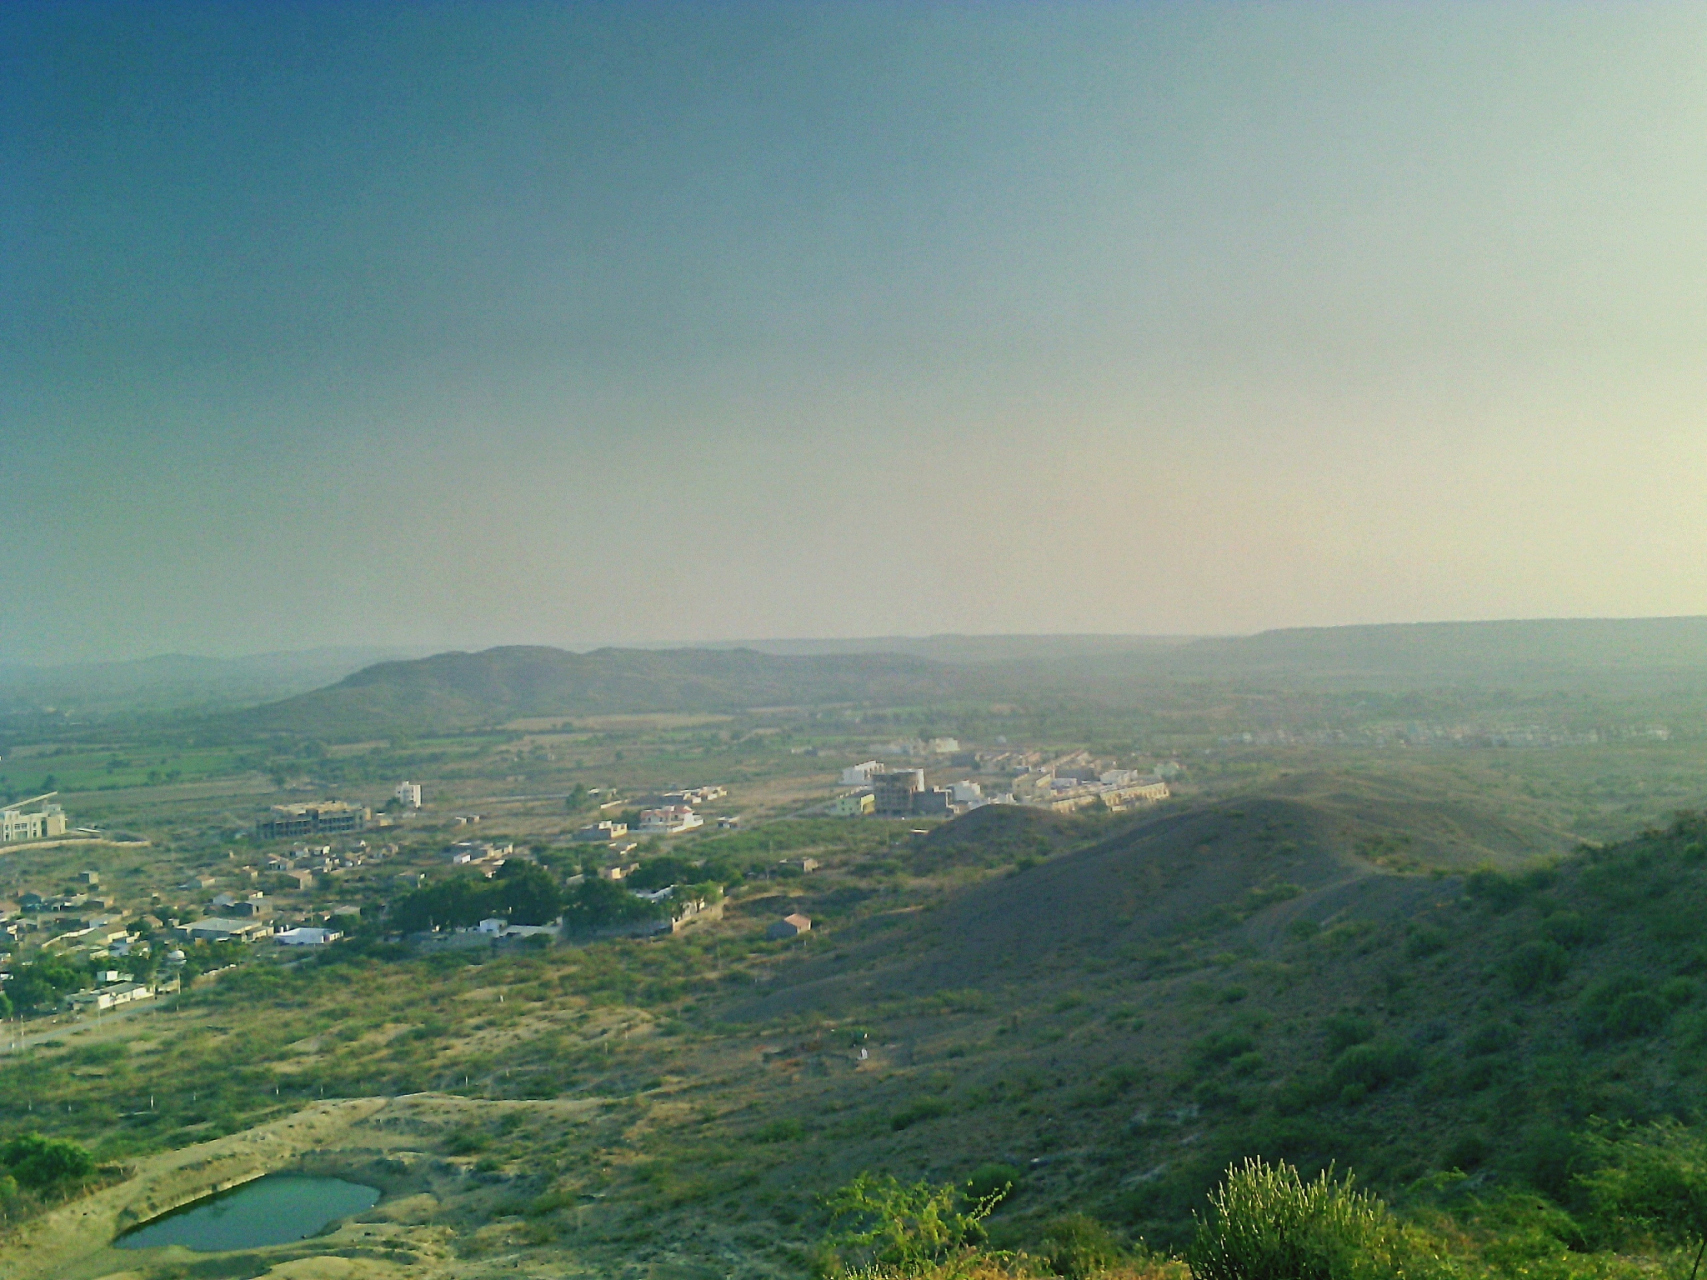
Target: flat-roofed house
[
  {"x": 32, "y": 819},
  {"x": 790, "y": 926},
  {"x": 226, "y": 929}
]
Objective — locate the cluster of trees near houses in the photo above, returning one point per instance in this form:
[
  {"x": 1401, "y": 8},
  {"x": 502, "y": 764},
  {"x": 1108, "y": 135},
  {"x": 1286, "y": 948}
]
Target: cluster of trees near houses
[{"x": 535, "y": 894}]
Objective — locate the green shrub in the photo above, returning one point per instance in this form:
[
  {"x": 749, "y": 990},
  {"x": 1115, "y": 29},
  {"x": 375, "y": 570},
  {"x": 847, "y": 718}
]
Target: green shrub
[
  {"x": 1621, "y": 1007},
  {"x": 1536, "y": 964},
  {"x": 923, "y": 1109},
  {"x": 1425, "y": 942},
  {"x": 1219, "y": 1047},
  {"x": 1079, "y": 1247},
  {"x": 1652, "y": 1182},
  {"x": 1375, "y": 1064},
  {"x": 44, "y": 1164},
  {"x": 992, "y": 1183},
  {"x": 1490, "y": 1037},
  {"x": 1466, "y": 1152},
  {"x": 1680, "y": 991},
  {"x": 1345, "y": 1030},
  {"x": 1548, "y": 1157},
  {"x": 1499, "y": 893},
  {"x": 781, "y": 1131},
  {"x": 1566, "y": 928},
  {"x": 1265, "y": 1223},
  {"x": 907, "y": 1227}
]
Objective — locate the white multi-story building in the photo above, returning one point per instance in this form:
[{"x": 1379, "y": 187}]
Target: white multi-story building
[
  {"x": 409, "y": 793},
  {"x": 859, "y": 775},
  {"x": 33, "y": 819}
]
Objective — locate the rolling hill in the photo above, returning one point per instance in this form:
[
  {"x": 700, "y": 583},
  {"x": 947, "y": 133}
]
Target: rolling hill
[
  {"x": 452, "y": 690},
  {"x": 1123, "y": 1019},
  {"x": 1153, "y": 889}
]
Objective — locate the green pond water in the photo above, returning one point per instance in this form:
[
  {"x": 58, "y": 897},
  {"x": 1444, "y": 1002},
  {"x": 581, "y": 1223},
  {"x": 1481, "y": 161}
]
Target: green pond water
[{"x": 276, "y": 1209}]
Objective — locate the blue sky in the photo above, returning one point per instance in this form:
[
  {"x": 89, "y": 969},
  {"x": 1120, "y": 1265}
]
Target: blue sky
[{"x": 467, "y": 324}]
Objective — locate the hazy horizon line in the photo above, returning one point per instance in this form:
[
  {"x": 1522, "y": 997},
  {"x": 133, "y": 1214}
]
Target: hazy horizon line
[{"x": 407, "y": 652}]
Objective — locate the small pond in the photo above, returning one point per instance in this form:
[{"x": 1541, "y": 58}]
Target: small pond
[{"x": 276, "y": 1209}]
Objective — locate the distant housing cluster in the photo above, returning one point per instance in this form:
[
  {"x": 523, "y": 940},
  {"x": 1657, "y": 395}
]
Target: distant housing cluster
[
  {"x": 1062, "y": 785},
  {"x": 1439, "y": 735}
]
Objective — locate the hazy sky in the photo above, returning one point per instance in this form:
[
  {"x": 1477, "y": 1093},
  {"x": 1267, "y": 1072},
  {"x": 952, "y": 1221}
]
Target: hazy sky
[{"x": 475, "y": 323}]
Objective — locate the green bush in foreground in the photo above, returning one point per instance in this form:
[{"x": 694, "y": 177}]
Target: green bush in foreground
[
  {"x": 1653, "y": 1182},
  {"x": 907, "y": 1229},
  {"x": 45, "y": 1164},
  {"x": 1265, "y": 1223},
  {"x": 1078, "y": 1247}
]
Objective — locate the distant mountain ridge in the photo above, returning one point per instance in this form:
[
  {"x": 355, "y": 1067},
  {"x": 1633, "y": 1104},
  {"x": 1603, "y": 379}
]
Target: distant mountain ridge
[
  {"x": 175, "y": 681},
  {"x": 461, "y": 689},
  {"x": 1658, "y": 657},
  {"x": 1528, "y": 647}
]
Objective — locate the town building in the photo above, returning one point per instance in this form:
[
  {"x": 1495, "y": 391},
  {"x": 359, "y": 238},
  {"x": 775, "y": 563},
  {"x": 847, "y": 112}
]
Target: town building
[
  {"x": 690, "y": 796},
  {"x": 790, "y": 926},
  {"x": 860, "y": 775},
  {"x": 409, "y": 793},
  {"x": 669, "y": 820},
  {"x": 936, "y": 802},
  {"x": 109, "y": 997},
  {"x": 893, "y": 792},
  {"x": 478, "y": 853},
  {"x": 32, "y": 819},
  {"x": 854, "y": 804},
  {"x": 225, "y": 929},
  {"x": 303, "y": 936},
  {"x": 328, "y": 817},
  {"x": 600, "y": 832}
]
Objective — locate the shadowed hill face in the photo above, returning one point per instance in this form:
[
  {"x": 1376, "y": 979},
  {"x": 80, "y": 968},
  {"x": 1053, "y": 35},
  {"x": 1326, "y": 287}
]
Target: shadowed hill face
[
  {"x": 460, "y": 689},
  {"x": 1187, "y": 991},
  {"x": 1151, "y": 893}
]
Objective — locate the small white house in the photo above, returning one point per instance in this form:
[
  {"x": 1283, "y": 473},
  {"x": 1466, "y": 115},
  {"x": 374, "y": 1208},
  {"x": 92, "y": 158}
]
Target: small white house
[
  {"x": 409, "y": 793},
  {"x": 306, "y": 937}
]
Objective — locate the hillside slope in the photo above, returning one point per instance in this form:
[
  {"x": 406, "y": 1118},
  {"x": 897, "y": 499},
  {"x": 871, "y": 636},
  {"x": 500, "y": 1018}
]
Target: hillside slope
[
  {"x": 1126, "y": 1018},
  {"x": 459, "y": 689},
  {"x": 1149, "y": 889}
]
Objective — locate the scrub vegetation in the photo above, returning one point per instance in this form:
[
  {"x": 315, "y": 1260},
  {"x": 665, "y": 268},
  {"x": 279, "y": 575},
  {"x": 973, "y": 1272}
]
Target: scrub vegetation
[{"x": 1332, "y": 1010}]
